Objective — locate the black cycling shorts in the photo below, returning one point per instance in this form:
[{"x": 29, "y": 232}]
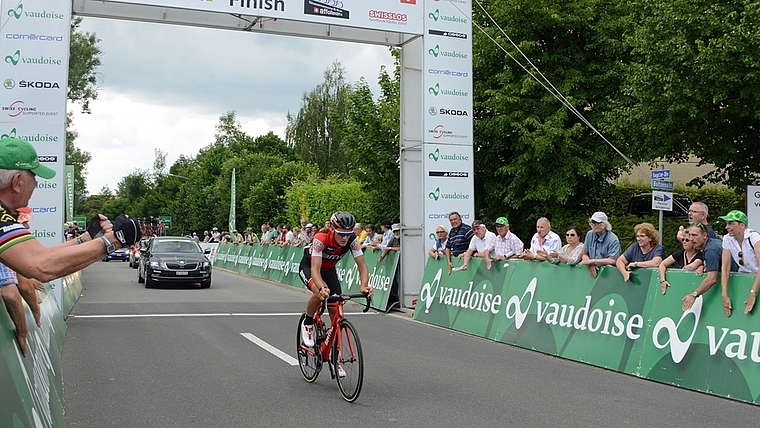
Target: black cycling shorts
[{"x": 330, "y": 277}]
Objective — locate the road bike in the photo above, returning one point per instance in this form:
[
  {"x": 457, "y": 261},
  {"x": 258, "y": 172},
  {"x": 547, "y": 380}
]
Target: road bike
[{"x": 340, "y": 347}]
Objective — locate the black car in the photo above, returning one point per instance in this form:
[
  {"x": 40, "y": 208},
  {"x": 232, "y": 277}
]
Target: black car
[
  {"x": 173, "y": 259},
  {"x": 641, "y": 205}
]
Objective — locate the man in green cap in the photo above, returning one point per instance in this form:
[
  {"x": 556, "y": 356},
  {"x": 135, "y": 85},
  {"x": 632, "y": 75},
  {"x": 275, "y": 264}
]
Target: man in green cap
[
  {"x": 743, "y": 246},
  {"x": 19, "y": 250},
  {"x": 505, "y": 245}
]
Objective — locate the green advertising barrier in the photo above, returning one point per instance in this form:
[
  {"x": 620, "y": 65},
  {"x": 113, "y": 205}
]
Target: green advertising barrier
[
  {"x": 32, "y": 386},
  {"x": 280, "y": 264},
  {"x": 221, "y": 255},
  {"x": 630, "y": 327},
  {"x": 72, "y": 289}
]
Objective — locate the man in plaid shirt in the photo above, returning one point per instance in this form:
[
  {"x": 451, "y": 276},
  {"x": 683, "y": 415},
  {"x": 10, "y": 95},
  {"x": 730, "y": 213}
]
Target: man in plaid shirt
[{"x": 505, "y": 245}]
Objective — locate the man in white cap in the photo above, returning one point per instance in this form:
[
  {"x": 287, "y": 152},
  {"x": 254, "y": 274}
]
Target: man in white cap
[{"x": 601, "y": 247}]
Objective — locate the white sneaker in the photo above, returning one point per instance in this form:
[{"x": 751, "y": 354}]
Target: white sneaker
[
  {"x": 307, "y": 335},
  {"x": 341, "y": 372}
]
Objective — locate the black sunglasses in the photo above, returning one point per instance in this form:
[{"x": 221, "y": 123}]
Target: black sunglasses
[
  {"x": 699, "y": 225},
  {"x": 349, "y": 233},
  {"x": 570, "y": 234}
]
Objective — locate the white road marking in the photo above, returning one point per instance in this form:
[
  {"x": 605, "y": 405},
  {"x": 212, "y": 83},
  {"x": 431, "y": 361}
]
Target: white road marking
[
  {"x": 222, "y": 314},
  {"x": 271, "y": 349}
]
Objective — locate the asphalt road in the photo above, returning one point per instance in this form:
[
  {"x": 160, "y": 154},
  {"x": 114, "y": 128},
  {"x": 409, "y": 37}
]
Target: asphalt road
[{"x": 176, "y": 357}]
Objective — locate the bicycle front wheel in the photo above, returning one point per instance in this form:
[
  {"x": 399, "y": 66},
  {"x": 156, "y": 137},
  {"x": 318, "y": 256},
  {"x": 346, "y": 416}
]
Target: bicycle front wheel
[
  {"x": 307, "y": 357},
  {"x": 348, "y": 362}
]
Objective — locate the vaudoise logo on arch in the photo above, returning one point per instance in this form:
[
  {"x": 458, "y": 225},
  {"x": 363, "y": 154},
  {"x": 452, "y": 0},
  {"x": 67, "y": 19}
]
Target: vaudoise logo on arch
[
  {"x": 18, "y": 12},
  {"x": 438, "y": 194}
]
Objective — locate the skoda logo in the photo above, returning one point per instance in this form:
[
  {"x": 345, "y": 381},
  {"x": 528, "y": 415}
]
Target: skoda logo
[
  {"x": 181, "y": 262},
  {"x": 433, "y": 111},
  {"x": 9, "y": 83}
]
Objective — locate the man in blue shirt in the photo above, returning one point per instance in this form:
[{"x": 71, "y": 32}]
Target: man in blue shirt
[
  {"x": 712, "y": 250},
  {"x": 459, "y": 238},
  {"x": 601, "y": 247}
]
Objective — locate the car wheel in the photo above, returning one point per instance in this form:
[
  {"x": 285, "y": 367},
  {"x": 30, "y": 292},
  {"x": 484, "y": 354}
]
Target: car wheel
[
  {"x": 140, "y": 279},
  {"x": 206, "y": 284},
  {"x": 149, "y": 283}
]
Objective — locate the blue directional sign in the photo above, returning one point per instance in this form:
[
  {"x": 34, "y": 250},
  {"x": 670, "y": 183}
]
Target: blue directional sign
[
  {"x": 662, "y": 201},
  {"x": 664, "y": 185},
  {"x": 660, "y": 174}
]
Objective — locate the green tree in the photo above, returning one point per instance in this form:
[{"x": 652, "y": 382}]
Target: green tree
[
  {"x": 79, "y": 158},
  {"x": 84, "y": 59},
  {"x": 532, "y": 155},
  {"x": 373, "y": 130},
  {"x": 692, "y": 86},
  {"x": 316, "y": 132}
]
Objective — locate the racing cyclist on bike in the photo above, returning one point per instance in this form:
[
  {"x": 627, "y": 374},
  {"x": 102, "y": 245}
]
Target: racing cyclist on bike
[{"x": 317, "y": 268}]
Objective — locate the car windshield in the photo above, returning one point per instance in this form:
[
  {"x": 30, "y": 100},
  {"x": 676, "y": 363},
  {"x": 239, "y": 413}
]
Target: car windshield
[{"x": 175, "y": 247}]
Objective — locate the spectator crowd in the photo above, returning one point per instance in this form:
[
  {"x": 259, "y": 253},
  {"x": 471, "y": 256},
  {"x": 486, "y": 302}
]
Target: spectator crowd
[{"x": 702, "y": 251}]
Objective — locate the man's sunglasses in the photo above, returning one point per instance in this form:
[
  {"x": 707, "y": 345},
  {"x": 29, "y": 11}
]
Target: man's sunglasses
[
  {"x": 699, "y": 225},
  {"x": 344, "y": 234}
]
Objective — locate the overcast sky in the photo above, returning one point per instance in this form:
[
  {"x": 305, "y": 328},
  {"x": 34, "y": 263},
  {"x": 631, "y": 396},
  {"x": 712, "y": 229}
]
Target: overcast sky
[{"x": 165, "y": 86}]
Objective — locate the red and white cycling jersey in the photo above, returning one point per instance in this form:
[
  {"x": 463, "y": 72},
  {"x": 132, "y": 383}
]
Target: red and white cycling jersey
[{"x": 324, "y": 245}]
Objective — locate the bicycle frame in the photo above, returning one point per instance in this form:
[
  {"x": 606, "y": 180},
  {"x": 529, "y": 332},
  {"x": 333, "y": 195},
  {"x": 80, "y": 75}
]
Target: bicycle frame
[
  {"x": 338, "y": 346},
  {"x": 325, "y": 339}
]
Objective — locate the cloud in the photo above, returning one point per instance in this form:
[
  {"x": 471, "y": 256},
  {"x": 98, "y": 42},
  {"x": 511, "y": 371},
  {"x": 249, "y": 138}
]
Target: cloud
[{"x": 165, "y": 86}]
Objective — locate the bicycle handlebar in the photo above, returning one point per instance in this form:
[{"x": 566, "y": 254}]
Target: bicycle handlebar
[{"x": 340, "y": 297}]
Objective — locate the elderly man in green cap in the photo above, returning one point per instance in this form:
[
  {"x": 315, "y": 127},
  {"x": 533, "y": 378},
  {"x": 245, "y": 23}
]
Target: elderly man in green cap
[
  {"x": 19, "y": 250},
  {"x": 505, "y": 245},
  {"x": 743, "y": 246}
]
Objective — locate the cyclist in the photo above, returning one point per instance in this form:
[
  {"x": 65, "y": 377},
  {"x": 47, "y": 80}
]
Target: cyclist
[{"x": 317, "y": 268}]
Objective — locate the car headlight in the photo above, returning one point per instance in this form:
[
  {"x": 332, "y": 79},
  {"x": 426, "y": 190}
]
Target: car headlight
[
  {"x": 154, "y": 265},
  {"x": 206, "y": 265}
]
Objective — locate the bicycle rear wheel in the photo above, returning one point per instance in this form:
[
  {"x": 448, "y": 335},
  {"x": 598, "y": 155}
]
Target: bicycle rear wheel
[
  {"x": 347, "y": 355},
  {"x": 307, "y": 358}
]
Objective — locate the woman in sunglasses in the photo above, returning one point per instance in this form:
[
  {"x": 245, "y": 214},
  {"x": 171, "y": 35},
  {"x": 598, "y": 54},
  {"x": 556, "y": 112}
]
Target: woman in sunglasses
[
  {"x": 439, "y": 247},
  {"x": 689, "y": 258},
  {"x": 644, "y": 253},
  {"x": 570, "y": 254},
  {"x": 317, "y": 268}
]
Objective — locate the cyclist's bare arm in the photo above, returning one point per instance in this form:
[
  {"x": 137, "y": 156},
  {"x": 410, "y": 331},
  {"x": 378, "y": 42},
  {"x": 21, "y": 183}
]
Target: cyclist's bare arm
[{"x": 320, "y": 288}]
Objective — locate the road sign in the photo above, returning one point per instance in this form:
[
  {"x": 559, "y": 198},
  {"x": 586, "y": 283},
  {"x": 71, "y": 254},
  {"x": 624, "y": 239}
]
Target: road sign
[
  {"x": 662, "y": 201},
  {"x": 167, "y": 219},
  {"x": 660, "y": 174},
  {"x": 664, "y": 185}
]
